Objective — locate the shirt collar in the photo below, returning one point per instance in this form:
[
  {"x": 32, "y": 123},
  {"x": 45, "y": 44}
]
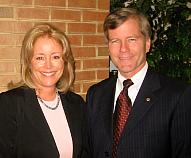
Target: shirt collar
[{"x": 137, "y": 79}]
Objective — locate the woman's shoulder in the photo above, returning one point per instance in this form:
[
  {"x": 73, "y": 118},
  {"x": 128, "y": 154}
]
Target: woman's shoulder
[
  {"x": 72, "y": 97},
  {"x": 15, "y": 92},
  {"x": 15, "y": 95},
  {"x": 10, "y": 101}
]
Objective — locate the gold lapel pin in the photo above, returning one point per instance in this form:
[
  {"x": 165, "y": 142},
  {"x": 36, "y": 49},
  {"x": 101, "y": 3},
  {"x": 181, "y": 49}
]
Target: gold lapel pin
[{"x": 148, "y": 99}]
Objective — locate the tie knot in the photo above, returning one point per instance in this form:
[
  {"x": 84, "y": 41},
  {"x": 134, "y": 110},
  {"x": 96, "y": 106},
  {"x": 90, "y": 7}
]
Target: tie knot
[{"x": 127, "y": 83}]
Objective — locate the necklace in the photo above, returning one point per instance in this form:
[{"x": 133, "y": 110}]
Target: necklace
[{"x": 49, "y": 107}]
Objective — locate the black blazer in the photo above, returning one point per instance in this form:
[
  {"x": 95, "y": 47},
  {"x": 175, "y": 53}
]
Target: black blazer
[
  {"x": 24, "y": 132},
  {"x": 159, "y": 125}
]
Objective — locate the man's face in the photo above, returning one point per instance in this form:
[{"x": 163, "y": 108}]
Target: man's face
[{"x": 128, "y": 48}]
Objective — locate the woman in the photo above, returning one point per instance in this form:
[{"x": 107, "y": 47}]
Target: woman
[{"x": 42, "y": 118}]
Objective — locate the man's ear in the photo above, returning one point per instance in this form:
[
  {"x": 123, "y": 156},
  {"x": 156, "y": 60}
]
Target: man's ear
[{"x": 148, "y": 44}]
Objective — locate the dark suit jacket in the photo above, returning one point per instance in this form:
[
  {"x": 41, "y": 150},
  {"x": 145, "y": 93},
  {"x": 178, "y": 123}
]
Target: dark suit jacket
[
  {"x": 159, "y": 125},
  {"x": 24, "y": 132}
]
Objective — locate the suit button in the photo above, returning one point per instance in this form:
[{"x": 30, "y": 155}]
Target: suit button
[{"x": 106, "y": 154}]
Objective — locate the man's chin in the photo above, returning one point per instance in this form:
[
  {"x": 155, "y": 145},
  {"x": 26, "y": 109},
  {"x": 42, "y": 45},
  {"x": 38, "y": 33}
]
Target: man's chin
[{"x": 125, "y": 68}]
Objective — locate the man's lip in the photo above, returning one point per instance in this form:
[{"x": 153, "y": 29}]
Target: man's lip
[{"x": 124, "y": 58}]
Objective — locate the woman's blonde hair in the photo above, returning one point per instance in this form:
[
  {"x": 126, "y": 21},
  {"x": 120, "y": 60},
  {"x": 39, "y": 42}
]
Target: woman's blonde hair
[{"x": 46, "y": 30}]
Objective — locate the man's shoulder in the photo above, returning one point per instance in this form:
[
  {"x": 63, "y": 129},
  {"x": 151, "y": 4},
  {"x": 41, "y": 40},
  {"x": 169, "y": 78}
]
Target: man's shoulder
[
  {"x": 101, "y": 90},
  {"x": 170, "y": 83},
  {"x": 105, "y": 83}
]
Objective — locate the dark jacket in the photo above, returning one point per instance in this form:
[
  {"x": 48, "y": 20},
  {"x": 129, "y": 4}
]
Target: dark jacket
[
  {"x": 159, "y": 125},
  {"x": 24, "y": 132}
]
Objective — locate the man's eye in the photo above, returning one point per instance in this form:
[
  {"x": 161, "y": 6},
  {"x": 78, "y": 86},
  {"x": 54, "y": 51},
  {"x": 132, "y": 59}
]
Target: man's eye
[
  {"x": 131, "y": 39},
  {"x": 115, "y": 41}
]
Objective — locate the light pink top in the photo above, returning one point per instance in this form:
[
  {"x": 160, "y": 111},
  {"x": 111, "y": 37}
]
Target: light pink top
[{"x": 58, "y": 124}]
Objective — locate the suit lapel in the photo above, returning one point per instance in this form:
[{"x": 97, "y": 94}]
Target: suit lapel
[
  {"x": 144, "y": 100},
  {"x": 36, "y": 117},
  {"x": 71, "y": 112},
  {"x": 107, "y": 102}
]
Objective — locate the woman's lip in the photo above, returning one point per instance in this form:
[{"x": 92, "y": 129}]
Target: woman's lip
[{"x": 48, "y": 73}]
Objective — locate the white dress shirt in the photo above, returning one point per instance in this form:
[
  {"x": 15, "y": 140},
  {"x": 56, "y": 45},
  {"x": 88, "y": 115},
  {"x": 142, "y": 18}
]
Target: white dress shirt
[{"x": 133, "y": 90}]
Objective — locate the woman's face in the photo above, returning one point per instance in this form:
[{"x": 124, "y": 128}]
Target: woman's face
[{"x": 47, "y": 65}]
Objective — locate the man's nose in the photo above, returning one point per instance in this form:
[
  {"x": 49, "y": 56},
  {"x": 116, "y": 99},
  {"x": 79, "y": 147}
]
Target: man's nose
[{"x": 124, "y": 46}]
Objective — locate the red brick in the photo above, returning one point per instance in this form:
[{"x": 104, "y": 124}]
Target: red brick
[
  {"x": 78, "y": 64},
  {"x": 75, "y": 39},
  {"x": 7, "y": 39},
  {"x": 85, "y": 75},
  {"x": 103, "y": 51},
  {"x": 81, "y": 20},
  {"x": 94, "y": 16},
  {"x": 104, "y": 4},
  {"x": 16, "y": 2},
  {"x": 65, "y": 14},
  {"x": 77, "y": 87},
  {"x": 102, "y": 74},
  {"x": 6, "y": 26},
  {"x": 100, "y": 28},
  {"x": 86, "y": 86},
  {"x": 94, "y": 40},
  {"x": 5, "y": 79},
  {"x": 19, "y": 39},
  {"x": 60, "y": 25},
  {"x": 22, "y": 27},
  {"x": 81, "y": 28},
  {"x": 14, "y": 27},
  {"x": 96, "y": 63},
  {"x": 6, "y": 12},
  {"x": 82, "y": 3},
  {"x": 60, "y": 3},
  {"x": 9, "y": 53},
  {"x": 7, "y": 67},
  {"x": 83, "y": 52},
  {"x": 32, "y": 13}
]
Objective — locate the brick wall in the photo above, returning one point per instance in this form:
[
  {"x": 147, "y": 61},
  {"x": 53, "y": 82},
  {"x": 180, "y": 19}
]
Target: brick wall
[{"x": 81, "y": 20}]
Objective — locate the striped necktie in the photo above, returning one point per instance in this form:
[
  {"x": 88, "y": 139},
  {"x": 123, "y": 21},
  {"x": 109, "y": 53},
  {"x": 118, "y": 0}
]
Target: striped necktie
[{"x": 123, "y": 108}]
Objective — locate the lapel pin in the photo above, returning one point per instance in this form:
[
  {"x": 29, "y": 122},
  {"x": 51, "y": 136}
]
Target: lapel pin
[{"x": 148, "y": 99}]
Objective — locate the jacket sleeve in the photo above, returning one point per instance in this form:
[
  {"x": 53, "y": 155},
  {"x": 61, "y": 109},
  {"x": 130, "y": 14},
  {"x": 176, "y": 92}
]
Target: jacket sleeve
[
  {"x": 8, "y": 125},
  {"x": 181, "y": 127}
]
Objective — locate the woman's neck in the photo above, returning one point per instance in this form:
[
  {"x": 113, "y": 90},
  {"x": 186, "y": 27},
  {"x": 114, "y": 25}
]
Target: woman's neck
[{"x": 46, "y": 94}]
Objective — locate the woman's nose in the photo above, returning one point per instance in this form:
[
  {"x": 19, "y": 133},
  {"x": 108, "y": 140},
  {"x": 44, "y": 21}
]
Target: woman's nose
[{"x": 48, "y": 63}]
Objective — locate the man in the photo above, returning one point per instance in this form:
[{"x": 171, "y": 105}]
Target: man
[{"x": 159, "y": 121}]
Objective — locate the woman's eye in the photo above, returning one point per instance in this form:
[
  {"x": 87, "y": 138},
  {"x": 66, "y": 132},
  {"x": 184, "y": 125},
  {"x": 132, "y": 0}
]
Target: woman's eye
[
  {"x": 56, "y": 57},
  {"x": 39, "y": 58}
]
